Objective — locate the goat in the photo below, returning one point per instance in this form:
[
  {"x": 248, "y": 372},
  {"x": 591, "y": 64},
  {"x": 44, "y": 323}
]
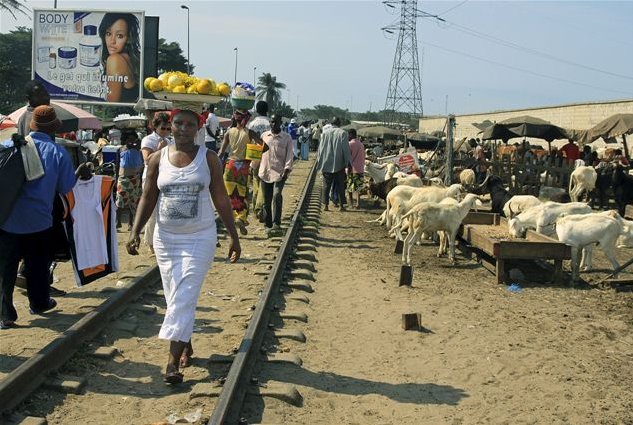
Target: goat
[
  {"x": 380, "y": 172},
  {"x": 551, "y": 211},
  {"x": 551, "y": 193},
  {"x": 582, "y": 231},
  {"x": 467, "y": 177},
  {"x": 431, "y": 216},
  {"x": 520, "y": 203},
  {"x": 582, "y": 179},
  {"x": 420, "y": 194},
  {"x": 408, "y": 179},
  {"x": 499, "y": 196}
]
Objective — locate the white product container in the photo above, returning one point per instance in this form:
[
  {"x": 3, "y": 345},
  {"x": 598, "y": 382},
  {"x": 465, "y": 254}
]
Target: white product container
[
  {"x": 90, "y": 47},
  {"x": 43, "y": 53},
  {"x": 67, "y": 57}
]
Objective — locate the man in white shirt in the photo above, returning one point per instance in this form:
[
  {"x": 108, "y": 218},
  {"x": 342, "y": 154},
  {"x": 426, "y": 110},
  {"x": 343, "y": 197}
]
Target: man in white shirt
[
  {"x": 211, "y": 129},
  {"x": 276, "y": 165}
]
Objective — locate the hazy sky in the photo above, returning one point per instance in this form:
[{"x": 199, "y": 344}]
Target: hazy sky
[{"x": 487, "y": 56}]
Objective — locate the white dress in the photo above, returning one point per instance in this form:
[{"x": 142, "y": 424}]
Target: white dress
[{"x": 184, "y": 240}]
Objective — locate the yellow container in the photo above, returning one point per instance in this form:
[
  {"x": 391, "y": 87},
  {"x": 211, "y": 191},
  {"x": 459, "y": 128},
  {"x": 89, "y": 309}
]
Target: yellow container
[{"x": 254, "y": 151}]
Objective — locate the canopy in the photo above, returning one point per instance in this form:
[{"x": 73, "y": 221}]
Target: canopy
[
  {"x": 354, "y": 126},
  {"x": 6, "y": 122},
  {"x": 524, "y": 126},
  {"x": 72, "y": 118},
  {"x": 423, "y": 141},
  {"x": 379, "y": 131},
  {"x": 614, "y": 126}
]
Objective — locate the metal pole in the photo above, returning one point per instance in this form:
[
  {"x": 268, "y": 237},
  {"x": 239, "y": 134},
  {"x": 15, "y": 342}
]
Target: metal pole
[
  {"x": 55, "y": 4},
  {"x": 182, "y": 6},
  {"x": 254, "y": 81},
  {"x": 448, "y": 178},
  {"x": 235, "y": 75}
]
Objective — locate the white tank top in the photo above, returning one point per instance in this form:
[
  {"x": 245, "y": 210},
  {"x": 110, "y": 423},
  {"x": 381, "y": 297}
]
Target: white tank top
[
  {"x": 90, "y": 240},
  {"x": 184, "y": 202}
]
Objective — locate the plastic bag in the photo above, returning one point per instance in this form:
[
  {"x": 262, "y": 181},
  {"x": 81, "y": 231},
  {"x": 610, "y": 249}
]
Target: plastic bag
[{"x": 11, "y": 175}]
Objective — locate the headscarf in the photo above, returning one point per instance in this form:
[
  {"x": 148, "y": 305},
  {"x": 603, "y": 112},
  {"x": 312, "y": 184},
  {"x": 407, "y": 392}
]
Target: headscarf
[{"x": 241, "y": 117}]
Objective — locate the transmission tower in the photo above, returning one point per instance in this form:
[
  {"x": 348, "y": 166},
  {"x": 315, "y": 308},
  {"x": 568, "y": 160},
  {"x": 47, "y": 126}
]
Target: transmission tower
[{"x": 405, "y": 88}]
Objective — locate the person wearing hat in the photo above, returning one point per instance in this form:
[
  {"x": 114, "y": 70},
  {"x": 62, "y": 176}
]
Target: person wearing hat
[
  {"x": 27, "y": 232},
  {"x": 293, "y": 130}
]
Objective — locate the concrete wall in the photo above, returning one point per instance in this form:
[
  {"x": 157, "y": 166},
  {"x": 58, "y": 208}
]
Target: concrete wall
[{"x": 575, "y": 116}]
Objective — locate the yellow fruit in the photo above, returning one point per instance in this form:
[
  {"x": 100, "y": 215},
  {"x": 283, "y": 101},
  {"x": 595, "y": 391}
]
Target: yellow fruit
[
  {"x": 205, "y": 86},
  {"x": 155, "y": 85},
  {"x": 224, "y": 89},
  {"x": 179, "y": 89},
  {"x": 192, "y": 90},
  {"x": 147, "y": 82},
  {"x": 164, "y": 77},
  {"x": 175, "y": 81}
]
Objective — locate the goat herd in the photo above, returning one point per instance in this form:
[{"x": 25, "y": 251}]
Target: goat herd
[{"x": 417, "y": 208}]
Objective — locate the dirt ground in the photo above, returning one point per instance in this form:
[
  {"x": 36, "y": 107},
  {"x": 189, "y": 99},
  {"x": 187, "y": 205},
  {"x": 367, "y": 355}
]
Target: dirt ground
[{"x": 548, "y": 354}]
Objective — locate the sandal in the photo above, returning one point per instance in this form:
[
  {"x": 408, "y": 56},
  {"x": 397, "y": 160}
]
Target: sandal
[
  {"x": 7, "y": 324},
  {"x": 174, "y": 377}
]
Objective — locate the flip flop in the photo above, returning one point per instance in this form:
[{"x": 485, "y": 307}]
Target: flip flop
[{"x": 173, "y": 377}]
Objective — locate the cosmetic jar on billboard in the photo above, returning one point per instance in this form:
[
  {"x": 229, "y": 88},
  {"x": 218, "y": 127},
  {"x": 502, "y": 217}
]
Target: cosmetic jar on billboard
[{"x": 67, "y": 57}]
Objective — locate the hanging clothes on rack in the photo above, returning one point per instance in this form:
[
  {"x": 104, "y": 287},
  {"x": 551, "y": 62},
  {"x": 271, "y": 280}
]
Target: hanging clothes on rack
[{"x": 91, "y": 229}]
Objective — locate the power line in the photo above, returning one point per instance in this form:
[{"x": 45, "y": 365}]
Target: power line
[
  {"x": 452, "y": 8},
  {"x": 524, "y": 49},
  {"x": 525, "y": 70}
]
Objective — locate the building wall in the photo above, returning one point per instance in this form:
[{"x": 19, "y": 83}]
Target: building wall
[{"x": 574, "y": 116}]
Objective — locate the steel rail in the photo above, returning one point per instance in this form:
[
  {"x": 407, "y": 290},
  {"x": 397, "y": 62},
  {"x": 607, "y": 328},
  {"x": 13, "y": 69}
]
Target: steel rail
[
  {"x": 228, "y": 406},
  {"x": 27, "y": 377}
]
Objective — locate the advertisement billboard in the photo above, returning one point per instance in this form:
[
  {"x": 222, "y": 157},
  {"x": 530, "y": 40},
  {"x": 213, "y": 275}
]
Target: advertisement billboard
[{"x": 89, "y": 56}]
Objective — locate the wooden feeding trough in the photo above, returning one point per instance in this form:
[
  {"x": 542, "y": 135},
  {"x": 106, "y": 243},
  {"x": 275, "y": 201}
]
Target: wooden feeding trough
[{"x": 489, "y": 234}]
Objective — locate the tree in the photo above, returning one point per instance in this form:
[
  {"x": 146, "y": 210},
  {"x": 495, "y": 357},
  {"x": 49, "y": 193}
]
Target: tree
[
  {"x": 171, "y": 58},
  {"x": 13, "y": 6},
  {"x": 269, "y": 89},
  {"x": 283, "y": 109},
  {"x": 326, "y": 112},
  {"x": 15, "y": 69}
]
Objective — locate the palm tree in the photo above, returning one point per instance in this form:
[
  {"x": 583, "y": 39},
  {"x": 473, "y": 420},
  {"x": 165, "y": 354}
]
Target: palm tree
[
  {"x": 13, "y": 6},
  {"x": 269, "y": 89}
]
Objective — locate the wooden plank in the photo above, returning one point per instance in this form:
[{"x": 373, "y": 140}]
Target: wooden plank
[
  {"x": 533, "y": 250},
  {"x": 478, "y": 240},
  {"x": 475, "y": 217}
]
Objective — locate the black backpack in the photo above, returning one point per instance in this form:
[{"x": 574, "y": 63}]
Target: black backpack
[{"x": 11, "y": 175}]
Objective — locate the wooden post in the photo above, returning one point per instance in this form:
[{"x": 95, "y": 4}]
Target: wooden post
[
  {"x": 499, "y": 270},
  {"x": 406, "y": 275},
  {"x": 558, "y": 270},
  {"x": 399, "y": 247},
  {"x": 411, "y": 321},
  {"x": 626, "y": 148},
  {"x": 448, "y": 177}
]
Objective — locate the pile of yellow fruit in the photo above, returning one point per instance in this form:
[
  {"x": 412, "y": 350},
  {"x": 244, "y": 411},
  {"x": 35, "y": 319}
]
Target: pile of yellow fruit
[{"x": 180, "y": 82}]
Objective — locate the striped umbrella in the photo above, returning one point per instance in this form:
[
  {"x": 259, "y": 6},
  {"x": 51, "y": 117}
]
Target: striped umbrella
[{"x": 72, "y": 117}]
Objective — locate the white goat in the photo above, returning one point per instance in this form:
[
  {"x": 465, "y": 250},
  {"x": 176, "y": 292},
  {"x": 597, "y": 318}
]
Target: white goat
[
  {"x": 401, "y": 205},
  {"x": 467, "y": 177},
  {"x": 408, "y": 179},
  {"x": 431, "y": 216},
  {"x": 582, "y": 231},
  {"x": 519, "y": 203},
  {"x": 380, "y": 172},
  {"x": 581, "y": 179},
  {"x": 551, "y": 211}
]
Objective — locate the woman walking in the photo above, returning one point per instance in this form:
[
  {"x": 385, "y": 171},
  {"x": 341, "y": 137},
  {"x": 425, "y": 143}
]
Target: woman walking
[
  {"x": 236, "y": 170},
  {"x": 185, "y": 237},
  {"x": 129, "y": 186}
]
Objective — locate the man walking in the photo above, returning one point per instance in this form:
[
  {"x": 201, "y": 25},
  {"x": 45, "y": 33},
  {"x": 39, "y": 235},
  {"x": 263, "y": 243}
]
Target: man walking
[
  {"x": 260, "y": 124},
  {"x": 274, "y": 169},
  {"x": 211, "y": 129},
  {"x": 27, "y": 232},
  {"x": 333, "y": 157},
  {"x": 355, "y": 171},
  {"x": 294, "y": 135}
]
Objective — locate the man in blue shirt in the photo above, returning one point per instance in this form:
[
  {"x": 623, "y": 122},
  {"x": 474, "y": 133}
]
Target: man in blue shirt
[
  {"x": 27, "y": 232},
  {"x": 294, "y": 135}
]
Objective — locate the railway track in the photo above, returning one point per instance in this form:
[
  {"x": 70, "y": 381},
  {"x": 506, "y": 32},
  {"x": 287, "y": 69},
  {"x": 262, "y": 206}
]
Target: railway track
[{"x": 109, "y": 357}]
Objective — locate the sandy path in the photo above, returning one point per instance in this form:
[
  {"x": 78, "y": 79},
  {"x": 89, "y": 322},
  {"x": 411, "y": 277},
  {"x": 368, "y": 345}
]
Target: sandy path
[{"x": 545, "y": 355}]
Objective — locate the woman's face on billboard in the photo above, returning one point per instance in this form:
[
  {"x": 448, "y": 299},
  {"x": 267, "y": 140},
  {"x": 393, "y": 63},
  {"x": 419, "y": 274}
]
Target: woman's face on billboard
[{"x": 116, "y": 36}]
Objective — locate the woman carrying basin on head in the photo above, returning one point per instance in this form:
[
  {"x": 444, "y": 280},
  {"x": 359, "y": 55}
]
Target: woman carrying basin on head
[{"x": 120, "y": 56}]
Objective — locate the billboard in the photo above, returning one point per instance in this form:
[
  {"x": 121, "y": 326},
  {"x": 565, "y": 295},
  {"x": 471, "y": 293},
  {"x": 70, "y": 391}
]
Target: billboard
[{"x": 89, "y": 56}]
